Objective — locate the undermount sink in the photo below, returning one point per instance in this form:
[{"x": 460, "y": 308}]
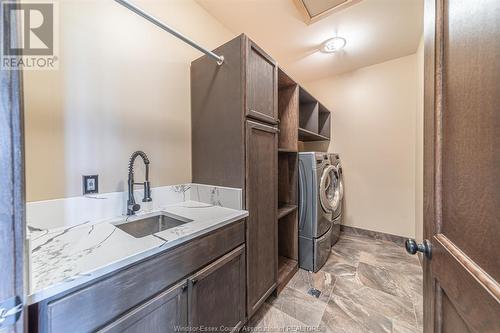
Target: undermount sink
[{"x": 151, "y": 224}]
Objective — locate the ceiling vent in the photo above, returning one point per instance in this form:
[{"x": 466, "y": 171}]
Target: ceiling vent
[{"x": 315, "y": 10}]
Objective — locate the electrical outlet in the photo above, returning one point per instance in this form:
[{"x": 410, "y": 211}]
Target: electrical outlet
[{"x": 90, "y": 184}]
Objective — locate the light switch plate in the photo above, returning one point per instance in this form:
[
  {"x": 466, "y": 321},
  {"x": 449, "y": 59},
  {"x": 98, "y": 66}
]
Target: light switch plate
[{"x": 90, "y": 184}]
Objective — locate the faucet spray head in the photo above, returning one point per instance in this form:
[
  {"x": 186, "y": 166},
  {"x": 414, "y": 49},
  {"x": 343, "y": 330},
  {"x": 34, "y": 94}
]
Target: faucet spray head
[{"x": 147, "y": 192}]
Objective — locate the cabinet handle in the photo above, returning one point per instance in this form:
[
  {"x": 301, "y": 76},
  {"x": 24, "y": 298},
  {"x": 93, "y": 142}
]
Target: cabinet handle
[
  {"x": 263, "y": 127},
  {"x": 262, "y": 117},
  {"x": 194, "y": 281}
]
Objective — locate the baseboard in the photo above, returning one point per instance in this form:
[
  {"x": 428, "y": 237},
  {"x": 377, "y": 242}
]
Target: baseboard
[{"x": 373, "y": 234}]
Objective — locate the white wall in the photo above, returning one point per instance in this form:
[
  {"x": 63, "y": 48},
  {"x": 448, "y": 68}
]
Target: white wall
[
  {"x": 123, "y": 85},
  {"x": 374, "y": 131},
  {"x": 419, "y": 146}
]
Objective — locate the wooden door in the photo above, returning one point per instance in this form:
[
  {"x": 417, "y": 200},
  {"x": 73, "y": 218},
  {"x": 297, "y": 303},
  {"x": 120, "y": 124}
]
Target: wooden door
[
  {"x": 217, "y": 294},
  {"x": 261, "y": 203},
  {"x": 261, "y": 84},
  {"x": 12, "y": 221},
  {"x": 166, "y": 312},
  {"x": 462, "y": 166}
]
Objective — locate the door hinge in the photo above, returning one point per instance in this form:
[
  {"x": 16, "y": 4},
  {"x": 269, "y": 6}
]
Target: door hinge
[{"x": 10, "y": 311}]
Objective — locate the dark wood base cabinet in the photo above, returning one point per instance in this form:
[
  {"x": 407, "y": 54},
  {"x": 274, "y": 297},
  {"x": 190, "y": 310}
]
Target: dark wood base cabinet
[
  {"x": 216, "y": 294},
  {"x": 211, "y": 300},
  {"x": 197, "y": 285},
  {"x": 166, "y": 312}
]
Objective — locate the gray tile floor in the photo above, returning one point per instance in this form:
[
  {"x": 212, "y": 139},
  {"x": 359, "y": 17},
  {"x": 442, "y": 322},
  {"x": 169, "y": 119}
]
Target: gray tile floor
[{"x": 367, "y": 285}]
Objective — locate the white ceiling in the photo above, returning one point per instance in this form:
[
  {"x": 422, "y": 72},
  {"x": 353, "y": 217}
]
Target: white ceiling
[{"x": 376, "y": 31}]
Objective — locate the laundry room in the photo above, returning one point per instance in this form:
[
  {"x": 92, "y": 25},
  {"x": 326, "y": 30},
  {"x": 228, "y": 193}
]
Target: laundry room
[{"x": 249, "y": 166}]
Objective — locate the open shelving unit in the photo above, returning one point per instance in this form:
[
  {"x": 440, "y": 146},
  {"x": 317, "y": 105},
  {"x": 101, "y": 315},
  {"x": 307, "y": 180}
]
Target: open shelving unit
[
  {"x": 314, "y": 118},
  {"x": 301, "y": 118},
  {"x": 288, "y": 104}
]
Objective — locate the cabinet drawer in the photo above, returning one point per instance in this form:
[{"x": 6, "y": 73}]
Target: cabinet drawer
[{"x": 92, "y": 306}]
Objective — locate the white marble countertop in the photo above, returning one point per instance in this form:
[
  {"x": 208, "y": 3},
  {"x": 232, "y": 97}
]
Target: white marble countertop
[{"x": 64, "y": 258}]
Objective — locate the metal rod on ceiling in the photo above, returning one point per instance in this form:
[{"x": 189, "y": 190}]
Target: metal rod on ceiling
[{"x": 158, "y": 23}]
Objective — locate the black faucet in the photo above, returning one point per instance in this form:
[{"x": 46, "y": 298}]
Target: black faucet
[{"x": 132, "y": 206}]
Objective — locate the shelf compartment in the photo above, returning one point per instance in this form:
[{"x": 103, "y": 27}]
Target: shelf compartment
[
  {"x": 286, "y": 270},
  {"x": 288, "y": 248},
  {"x": 288, "y": 236},
  {"x": 285, "y": 209},
  {"x": 305, "y": 97},
  {"x": 287, "y": 178},
  {"x": 308, "y": 111},
  {"x": 288, "y": 113},
  {"x": 308, "y": 116},
  {"x": 284, "y": 80},
  {"x": 305, "y": 135},
  {"x": 324, "y": 121}
]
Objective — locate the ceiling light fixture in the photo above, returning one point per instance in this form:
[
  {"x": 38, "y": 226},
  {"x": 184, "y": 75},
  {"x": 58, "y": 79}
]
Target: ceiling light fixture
[{"x": 333, "y": 45}]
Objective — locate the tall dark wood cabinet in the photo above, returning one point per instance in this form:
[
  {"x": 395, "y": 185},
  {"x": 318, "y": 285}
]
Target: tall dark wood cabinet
[
  {"x": 261, "y": 202},
  {"x": 234, "y": 110}
]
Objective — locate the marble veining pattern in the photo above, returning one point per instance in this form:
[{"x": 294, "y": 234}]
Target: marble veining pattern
[
  {"x": 217, "y": 196},
  {"x": 66, "y": 257},
  {"x": 367, "y": 285}
]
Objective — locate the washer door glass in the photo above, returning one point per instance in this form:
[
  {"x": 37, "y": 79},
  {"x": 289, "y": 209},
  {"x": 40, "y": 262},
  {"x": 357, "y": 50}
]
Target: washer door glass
[{"x": 330, "y": 189}]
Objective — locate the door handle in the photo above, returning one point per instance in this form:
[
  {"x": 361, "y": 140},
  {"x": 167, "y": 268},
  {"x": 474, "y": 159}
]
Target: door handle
[{"x": 412, "y": 247}]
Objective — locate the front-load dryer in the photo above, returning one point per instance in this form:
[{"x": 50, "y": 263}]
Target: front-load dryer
[{"x": 316, "y": 208}]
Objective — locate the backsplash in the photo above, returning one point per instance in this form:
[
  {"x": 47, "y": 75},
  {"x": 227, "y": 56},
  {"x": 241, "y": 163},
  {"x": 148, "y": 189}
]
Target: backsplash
[{"x": 63, "y": 213}]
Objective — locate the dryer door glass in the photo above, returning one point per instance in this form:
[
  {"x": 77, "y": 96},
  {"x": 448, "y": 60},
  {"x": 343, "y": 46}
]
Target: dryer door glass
[
  {"x": 330, "y": 189},
  {"x": 341, "y": 184}
]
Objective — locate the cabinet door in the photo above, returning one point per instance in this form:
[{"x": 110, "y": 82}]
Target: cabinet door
[
  {"x": 261, "y": 85},
  {"x": 166, "y": 312},
  {"x": 261, "y": 202},
  {"x": 217, "y": 294}
]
